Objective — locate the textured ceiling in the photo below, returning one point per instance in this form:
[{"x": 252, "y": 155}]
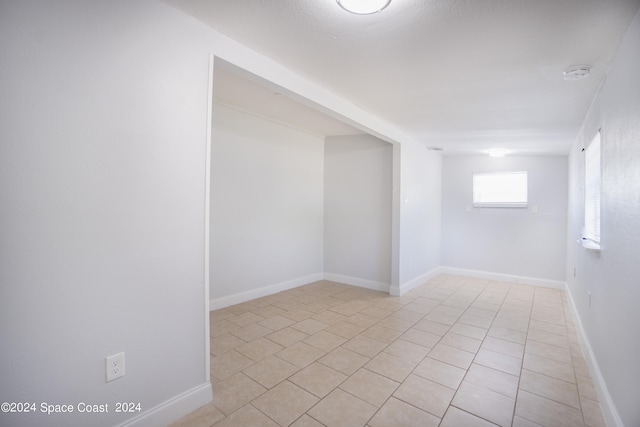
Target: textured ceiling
[
  {"x": 234, "y": 90},
  {"x": 466, "y": 75}
]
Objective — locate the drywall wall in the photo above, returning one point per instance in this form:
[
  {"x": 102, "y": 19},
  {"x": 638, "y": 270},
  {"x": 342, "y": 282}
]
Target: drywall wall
[
  {"x": 417, "y": 219},
  {"x": 610, "y": 321},
  {"x": 103, "y": 130},
  {"x": 509, "y": 241},
  {"x": 102, "y": 181},
  {"x": 357, "y": 210},
  {"x": 266, "y": 205}
]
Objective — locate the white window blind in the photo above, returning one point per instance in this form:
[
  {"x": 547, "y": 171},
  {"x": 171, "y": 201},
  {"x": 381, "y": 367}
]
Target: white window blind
[
  {"x": 500, "y": 189},
  {"x": 592, "y": 190}
]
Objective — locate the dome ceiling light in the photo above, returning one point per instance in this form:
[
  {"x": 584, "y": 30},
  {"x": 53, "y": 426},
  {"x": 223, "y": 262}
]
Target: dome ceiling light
[
  {"x": 363, "y": 7},
  {"x": 497, "y": 152}
]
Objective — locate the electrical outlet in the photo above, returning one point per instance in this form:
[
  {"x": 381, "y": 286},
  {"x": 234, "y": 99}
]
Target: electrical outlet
[
  {"x": 589, "y": 295},
  {"x": 115, "y": 366}
]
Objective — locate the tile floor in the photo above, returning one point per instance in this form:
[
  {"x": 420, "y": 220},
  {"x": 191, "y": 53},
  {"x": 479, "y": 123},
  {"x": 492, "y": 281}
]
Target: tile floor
[{"x": 455, "y": 352}]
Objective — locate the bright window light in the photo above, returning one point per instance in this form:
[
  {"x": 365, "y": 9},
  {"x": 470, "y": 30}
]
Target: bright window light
[
  {"x": 500, "y": 189},
  {"x": 592, "y": 191}
]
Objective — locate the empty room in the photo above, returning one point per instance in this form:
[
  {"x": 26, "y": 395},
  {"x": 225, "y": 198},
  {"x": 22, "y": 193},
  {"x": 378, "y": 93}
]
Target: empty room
[{"x": 320, "y": 213}]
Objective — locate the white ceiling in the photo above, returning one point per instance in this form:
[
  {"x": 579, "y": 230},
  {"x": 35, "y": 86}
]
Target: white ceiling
[
  {"x": 236, "y": 91},
  {"x": 466, "y": 75}
]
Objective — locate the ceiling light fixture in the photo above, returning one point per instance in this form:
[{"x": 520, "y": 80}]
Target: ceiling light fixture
[
  {"x": 497, "y": 152},
  {"x": 577, "y": 73},
  {"x": 363, "y": 7}
]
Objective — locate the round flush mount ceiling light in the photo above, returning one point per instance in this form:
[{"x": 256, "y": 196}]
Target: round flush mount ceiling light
[
  {"x": 363, "y": 7},
  {"x": 497, "y": 152},
  {"x": 577, "y": 73}
]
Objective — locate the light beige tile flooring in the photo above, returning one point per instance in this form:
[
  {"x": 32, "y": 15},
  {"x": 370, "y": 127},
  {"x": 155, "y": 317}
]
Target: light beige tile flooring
[{"x": 454, "y": 352}]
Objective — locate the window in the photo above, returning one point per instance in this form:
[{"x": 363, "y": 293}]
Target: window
[
  {"x": 592, "y": 191},
  {"x": 500, "y": 190}
]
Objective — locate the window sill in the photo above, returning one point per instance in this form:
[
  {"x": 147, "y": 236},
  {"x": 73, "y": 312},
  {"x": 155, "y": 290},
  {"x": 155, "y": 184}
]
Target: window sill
[
  {"x": 499, "y": 205},
  {"x": 589, "y": 245}
]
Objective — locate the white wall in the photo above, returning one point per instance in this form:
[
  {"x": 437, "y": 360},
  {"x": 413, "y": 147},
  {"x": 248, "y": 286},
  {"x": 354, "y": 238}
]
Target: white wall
[
  {"x": 102, "y": 178},
  {"x": 357, "y": 210},
  {"x": 511, "y": 241},
  {"x": 611, "y": 322},
  {"x": 102, "y": 185},
  {"x": 266, "y": 206},
  {"x": 418, "y": 192}
]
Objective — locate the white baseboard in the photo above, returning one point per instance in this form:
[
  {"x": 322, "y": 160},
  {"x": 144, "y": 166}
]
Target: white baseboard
[
  {"x": 226, "y": 301},
  {"x": 174, "y": 409},
  {"x": 609, "y": 412},
  {"x": 356, "y": 281},
  {"x": 525, "y": 280},
  {"x": 403, "y": 288},
  {"x": 241, "y": 297}
]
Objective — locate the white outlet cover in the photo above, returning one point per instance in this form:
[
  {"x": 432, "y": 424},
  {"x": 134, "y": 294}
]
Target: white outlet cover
[{"x": 114, "y": 366}]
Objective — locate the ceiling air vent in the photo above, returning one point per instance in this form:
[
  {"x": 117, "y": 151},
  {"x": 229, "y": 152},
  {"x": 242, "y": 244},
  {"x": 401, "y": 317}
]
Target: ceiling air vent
[{"x": 577, "y": 73}]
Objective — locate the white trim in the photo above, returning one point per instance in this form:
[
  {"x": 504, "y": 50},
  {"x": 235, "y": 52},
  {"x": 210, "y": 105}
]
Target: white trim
[
  {"x": 609, "y": 412},
  {"x": 396, "y": 216},
  {"x": 356, "y": 281},
  {"x": 398, "y": 291},
  {"x": 228, "y": 300},
  {"x": 207, "y": 220},
  {"x": 174, "y": 409},
  {"x": 499, "y": 205},
  {"x": 525, "y": 280}
]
